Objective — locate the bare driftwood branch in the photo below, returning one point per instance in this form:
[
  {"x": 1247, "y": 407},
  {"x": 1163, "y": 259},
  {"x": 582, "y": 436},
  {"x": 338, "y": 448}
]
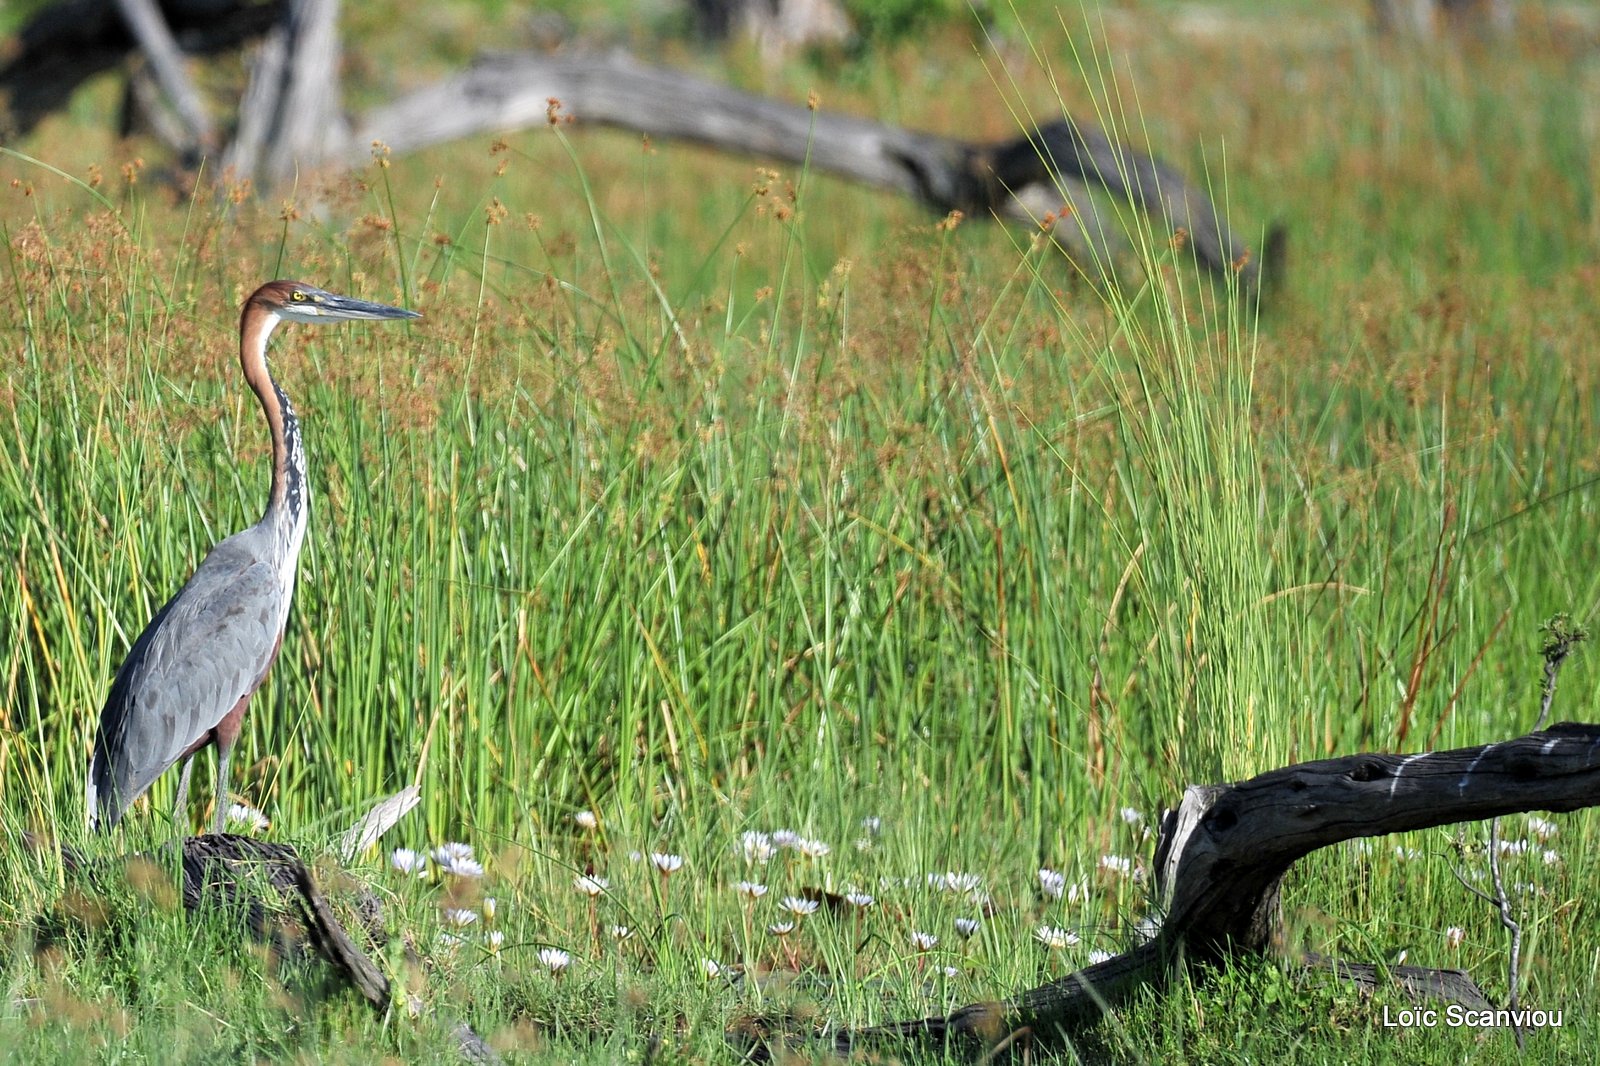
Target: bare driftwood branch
[
  {"x": 272, "y": 891},
  {"x": 1222, "y": 855},
  {"x": 289, "y": 117},
  {"x": 69, "y": 43},
  {"x": 515, "y": 90},
  {"x": 149, "y": 28},
  {"x": 1419, "y": 982}
]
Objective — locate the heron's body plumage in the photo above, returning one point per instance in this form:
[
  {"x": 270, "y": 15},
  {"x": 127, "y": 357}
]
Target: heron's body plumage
[{"x": 208, "y": 648}]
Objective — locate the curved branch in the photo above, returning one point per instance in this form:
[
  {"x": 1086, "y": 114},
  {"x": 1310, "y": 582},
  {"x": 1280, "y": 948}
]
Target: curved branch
[
  {"x": 515, "y": 90},
  {"x": 1221, "y": 857}
]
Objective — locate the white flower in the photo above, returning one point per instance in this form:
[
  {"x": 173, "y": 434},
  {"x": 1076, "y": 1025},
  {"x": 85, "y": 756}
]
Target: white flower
[
  {"x": 490, "y": 905},
  {"x": 666, "y": 862},
  {"x": 619, "y": 933},
  {"x": 248, "y": 816},
  {"x": 951, "y": 971},
  {"x": 1513, "y": 847},
  {"x": 811, "y": 849},
  {"x": 1551, "y": 857},
  {"x": 859, "y": 900},
  {"x": 448, "y": 941},
  {"x": 586, "y": 819},
  {"x": 784, "y": 838},
  {"x": 495, "y": 939},
  {"x": 1454, "y": 935},
  {"x": 450, "y": 850},
  {"x": 781, "y": 928},
  {"x": 968, "y": 927},
  {"x": 711, "y": 968},
  {"x": 1055, "y": 938},
  {"x": 554, "y": 959},
  {"x": 756, "y": 846},
  {"x": 750, "y": 890},
  {"x": 460, "y": 917},
  {"x": 872, "y": 824},
  {"x": 407, "y": 861},
  {"x": 459, "y": 867},
  {"x": 1052, "y": 883},
  {"x": 1120, "y": 865},
  {"x": 1542, "y": 828},
  {"x": 797, "y": 906},
  {"x": 923, "y": 941},
  {"x": 590, "y": 885},
  {"x": 1131, "y": 816},
  {"x": 1096, "y": 955},
  {"x": 1405, "y": 854},
  {"x": 961, "y": 882}
]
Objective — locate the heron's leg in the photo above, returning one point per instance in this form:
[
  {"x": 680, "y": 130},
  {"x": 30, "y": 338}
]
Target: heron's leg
[
  {"x": 180, "y": 809},
  {"x": 223, "y": 757}
]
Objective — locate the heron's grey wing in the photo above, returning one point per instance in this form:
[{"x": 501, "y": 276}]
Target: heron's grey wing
[{"x": 208, "y": 648}]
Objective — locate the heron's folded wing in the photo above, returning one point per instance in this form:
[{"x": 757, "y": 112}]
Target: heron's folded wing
[{"x": 209, "y": 647}]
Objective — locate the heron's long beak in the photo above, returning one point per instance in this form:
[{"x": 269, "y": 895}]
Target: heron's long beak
[{"x": 348, "y": 307}]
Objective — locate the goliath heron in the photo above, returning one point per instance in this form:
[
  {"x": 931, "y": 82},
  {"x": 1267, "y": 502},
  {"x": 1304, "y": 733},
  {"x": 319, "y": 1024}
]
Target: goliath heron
[{"x": 190, "y": 674}]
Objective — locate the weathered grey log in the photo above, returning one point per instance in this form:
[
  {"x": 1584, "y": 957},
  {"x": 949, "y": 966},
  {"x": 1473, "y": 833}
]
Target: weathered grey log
[
  {"x": 271, "y": 889},
  {"x": 149, "y": 27},
  {"x": 1221, "y": 857},
  {"x": 1418, "y": 982},
  {"x": 289, "y": 117},
  {"x": 66, "y": 44},
  {"x": 513, "y": 91}
]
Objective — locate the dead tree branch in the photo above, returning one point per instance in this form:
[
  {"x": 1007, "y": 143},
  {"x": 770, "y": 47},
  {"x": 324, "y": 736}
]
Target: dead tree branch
[
  {"x": 289, "y": 119},
  {"x": 277, "y": 901},
  {"x": 149, "y": 28},
  {"x": 1221, "y": 857},
  {"x": 514, "y": 91},
  {"x": 69, "y": 43}
]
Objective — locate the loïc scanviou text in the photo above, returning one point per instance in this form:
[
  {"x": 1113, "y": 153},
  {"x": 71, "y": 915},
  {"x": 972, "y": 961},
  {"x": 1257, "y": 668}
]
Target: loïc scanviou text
[{"x": 1456, "y": 1016}]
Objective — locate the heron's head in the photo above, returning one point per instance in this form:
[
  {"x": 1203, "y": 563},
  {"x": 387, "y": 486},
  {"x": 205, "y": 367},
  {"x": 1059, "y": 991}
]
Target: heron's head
[{"x": 293, "y": 301}]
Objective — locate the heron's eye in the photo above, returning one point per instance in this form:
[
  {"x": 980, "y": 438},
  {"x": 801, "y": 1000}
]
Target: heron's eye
[{"x": 297, "y": 296}]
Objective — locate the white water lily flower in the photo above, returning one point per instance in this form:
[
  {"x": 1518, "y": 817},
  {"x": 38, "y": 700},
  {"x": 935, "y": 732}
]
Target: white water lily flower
[
  {"x": 406, "y": 861},
  {"x": 247, "y": 816},
  {"x": 459, "y": 867},
  {"x": 1055, "y": 938},
  {"x": 798, "y": 906}
]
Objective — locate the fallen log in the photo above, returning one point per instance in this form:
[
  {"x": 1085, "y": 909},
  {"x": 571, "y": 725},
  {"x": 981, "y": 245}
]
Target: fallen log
[
  {"x": 271, "y": 889},
  {"x": 1020, "y": 178},
  {"x": 1221, "y": 857},
  {"x": 1043, "y": 176}
]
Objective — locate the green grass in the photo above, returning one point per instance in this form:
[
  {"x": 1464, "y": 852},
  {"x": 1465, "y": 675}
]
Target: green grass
[{"x": 710, "y": 502}]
